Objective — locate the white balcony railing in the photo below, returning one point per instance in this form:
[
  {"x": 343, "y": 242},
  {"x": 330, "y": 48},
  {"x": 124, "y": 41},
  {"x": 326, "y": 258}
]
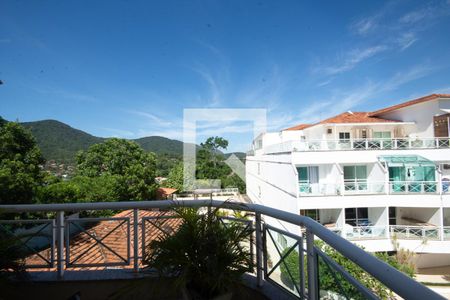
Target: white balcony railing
[
  {"x": 446, "y": 233},
  {"x": 401, "y": 232},
  {"x": 365, "y": 232},
  {"x": 359, "y": 144},
  {"x": 372, "y": 188},
  {"x": 415, "y": 232},
  {"x": 61, "y": 240}
]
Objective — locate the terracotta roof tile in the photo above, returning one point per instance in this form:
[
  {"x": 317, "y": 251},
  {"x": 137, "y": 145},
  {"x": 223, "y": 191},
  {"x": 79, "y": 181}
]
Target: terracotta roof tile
[
  {"x": 298, "y": 127},
  {"x": 409, "y": 103},
  {"x": 113, "y": 234},
  {"x": 355, "y": 117}
]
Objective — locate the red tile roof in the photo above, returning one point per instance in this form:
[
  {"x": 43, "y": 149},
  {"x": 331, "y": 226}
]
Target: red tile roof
[
  {"x": 299, "y": 127},
  {"x": 370, "y": 117},
  {"x": 113, "y": 234},
  {"x": 409, "y": 103},
  {"x": 355, "y": 117}
]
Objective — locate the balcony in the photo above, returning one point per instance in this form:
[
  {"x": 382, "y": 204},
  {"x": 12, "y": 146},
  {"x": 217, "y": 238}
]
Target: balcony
[
  {"x": 64, "y": 246},
  {"x": 374, "y": 188},
  {"x": 399, "y": 232},
  {"x": 405, "y": 143}
]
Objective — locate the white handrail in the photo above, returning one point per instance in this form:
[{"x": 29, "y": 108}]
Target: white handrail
[
  {"x": 391, "y": 277},
  {"x": 359, "y": 144}
]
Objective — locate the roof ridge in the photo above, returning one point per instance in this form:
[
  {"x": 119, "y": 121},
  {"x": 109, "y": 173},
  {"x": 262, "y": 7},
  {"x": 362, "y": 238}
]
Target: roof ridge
[{"x": 408, "y": 103}]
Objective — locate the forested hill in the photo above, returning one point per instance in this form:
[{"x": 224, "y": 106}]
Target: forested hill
[
  {"x": 58, "y": 141},
  {"x": 61, "y": 142}
]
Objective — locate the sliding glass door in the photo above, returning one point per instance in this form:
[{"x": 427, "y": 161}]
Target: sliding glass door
[
  {"x": 355, "y": 178},
  {"x": 308, "y": 178}
]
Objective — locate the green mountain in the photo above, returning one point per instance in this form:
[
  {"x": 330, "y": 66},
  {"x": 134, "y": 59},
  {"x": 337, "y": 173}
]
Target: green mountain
[{"x": 59, "y": 141}]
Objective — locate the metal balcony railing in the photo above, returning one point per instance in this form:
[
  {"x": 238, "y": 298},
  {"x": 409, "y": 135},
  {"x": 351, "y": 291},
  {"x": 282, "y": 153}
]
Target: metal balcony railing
[
  {"x": 415, "y": 232},
  {"x": 372, "y": 188},
  {"x": 359, "y": 144},
  {"x": 272, "y": 246}
]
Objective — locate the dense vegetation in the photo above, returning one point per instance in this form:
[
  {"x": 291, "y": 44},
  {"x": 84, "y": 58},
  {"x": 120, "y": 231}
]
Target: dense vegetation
[
  {"x": 332, "y": 281},
  {"x": 20, "y": 174},
  {"x": 109, "y": 170},
  {"x": 210, "y": 164}
]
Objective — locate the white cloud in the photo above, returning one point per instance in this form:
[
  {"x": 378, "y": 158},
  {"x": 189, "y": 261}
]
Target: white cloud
[
  {"x": 406, "y": 40},
  {"x": 364, "y": 26},
  {"x": 155, "y": 119},
  {"x": 340, "y": 101},
  {"x": 351, "y": 60},
  {"x": 416, "y": 15}
]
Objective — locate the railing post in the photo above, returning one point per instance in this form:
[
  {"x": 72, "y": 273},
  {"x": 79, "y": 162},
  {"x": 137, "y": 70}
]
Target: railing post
[
  {"x": 259, "y": 250},
  {"x": 313, "y": 283},
  {"x": 135, "y": 240},
  {"x": 60, "y": 243}
]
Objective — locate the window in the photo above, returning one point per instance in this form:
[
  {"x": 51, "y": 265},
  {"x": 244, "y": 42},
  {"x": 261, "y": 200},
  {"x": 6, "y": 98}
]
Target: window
[
  {"x": 312, "y": 213},
  {"x": 381, "y": 134},
  {"x": 343, "y": 136},
  {"x": 392, "y": 216},
  {"x": 355, "y": 178},
  {"x": 308, "y": 178},
  {"x": 364, "y": 134},
  {"x": 357, "y": 216},
  {"x": 329, "y": 131}
]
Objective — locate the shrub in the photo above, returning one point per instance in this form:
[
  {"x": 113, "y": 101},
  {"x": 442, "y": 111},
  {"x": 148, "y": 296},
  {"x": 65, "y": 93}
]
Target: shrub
[{"x": 205, "y": 255}]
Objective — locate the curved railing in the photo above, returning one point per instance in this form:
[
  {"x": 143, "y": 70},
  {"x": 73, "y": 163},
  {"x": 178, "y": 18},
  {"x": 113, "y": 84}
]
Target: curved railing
[{"x": 302, "y": 242}]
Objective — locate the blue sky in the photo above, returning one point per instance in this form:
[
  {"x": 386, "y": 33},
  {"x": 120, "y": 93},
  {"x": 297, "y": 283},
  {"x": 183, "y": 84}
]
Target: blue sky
[{"x": 129, "y": 68}]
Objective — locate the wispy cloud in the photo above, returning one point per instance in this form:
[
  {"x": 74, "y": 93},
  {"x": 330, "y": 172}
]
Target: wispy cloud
[
  {"x": 215, "y": 92},
  {"x": 406, "y": 40},
  {"x": 365, "y": 25},
  {"x": 340, "y": 101},
  {"x": 351, "y": 60},
  {"x": 156, "y": 121}
]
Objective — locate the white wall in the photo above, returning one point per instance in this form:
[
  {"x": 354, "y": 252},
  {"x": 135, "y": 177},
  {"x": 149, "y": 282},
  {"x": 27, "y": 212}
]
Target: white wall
[
  {"x": 425, "y": 214},
  {"x": 422, "y": 114},
  {"x": 275, "y": 186},
  {"x": 378, "y": 216}
]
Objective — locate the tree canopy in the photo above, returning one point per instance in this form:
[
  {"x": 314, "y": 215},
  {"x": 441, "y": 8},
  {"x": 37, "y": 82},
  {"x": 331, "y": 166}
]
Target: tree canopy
[
  {"x": 20, "y": 158},
  {"x": 133, "y": 167}
]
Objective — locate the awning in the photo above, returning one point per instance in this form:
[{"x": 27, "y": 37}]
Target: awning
[{"x": 405, "y": 160}]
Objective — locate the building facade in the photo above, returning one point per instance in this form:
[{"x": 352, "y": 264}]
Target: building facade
[{"x": 380, "y": 179}]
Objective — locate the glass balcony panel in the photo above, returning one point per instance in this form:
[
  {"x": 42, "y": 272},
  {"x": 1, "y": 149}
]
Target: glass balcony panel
[
  {"x": 332, "y": 284},
  {"x": 283, "y": 262}
]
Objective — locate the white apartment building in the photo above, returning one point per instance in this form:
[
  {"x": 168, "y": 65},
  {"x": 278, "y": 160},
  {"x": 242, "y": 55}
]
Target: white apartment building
[{"x": 380, "y": 179}]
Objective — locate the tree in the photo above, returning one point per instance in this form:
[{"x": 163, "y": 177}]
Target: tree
[
  {"x": 20, "y": 160},
  {"x": 133, "y": 167},
  {"x": 212, "y": 145},
  {"x": 332, "y": 281},
  {"x": 175, "y": 178},
  {"x": 210, "y": 161}
]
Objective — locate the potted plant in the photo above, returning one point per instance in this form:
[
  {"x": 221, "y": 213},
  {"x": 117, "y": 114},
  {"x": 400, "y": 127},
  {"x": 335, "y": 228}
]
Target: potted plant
[{"x": 206, "y": 256}]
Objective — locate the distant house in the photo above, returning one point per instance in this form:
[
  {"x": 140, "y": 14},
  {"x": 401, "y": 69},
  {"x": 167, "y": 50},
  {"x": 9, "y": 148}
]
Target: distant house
[
  {"x": 160, "y": 179},
  {"x": 165, "y": 193}
]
